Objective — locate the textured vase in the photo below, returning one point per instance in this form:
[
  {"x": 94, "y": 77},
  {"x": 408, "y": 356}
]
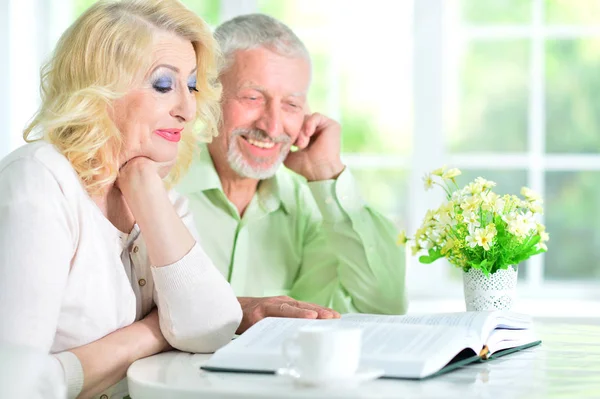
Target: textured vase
[{"x": 496, "y": 292}]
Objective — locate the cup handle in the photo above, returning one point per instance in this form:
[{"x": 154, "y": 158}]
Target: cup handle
[{"x": 290, "y": 351}]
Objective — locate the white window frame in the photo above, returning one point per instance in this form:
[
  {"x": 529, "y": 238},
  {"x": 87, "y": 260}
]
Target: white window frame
[
  {"x": 29, "y": 31},
  {"x": 432, "y": 20},
  {"x": 27, "y": 48}
]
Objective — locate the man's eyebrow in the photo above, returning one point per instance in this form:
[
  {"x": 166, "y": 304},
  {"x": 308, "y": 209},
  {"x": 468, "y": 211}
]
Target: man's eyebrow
[
  {"x": 265, "y": 91},
  {"x": 253, "y": 87}
]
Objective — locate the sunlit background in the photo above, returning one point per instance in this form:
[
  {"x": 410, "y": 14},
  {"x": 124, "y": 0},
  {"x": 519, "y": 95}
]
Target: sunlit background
[{"x": 504, "y": 89}]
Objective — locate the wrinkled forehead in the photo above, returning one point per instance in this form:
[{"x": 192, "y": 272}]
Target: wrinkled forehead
[
  {"x": 271, "y": 71},
  {"x": 172, "y": 50}
]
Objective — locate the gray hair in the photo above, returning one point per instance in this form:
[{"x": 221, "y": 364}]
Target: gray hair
[{"x": 252, "y": 31}]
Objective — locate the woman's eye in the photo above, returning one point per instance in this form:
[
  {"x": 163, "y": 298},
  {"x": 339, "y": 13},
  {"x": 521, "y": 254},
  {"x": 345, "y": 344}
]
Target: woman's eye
[
  {"x": 192, "y": 89},
  {"x": 162, "y": 89},
  {"x": 163, "y": 84}
]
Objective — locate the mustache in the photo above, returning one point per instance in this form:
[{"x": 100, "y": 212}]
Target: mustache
[{"x": 261, "y": 135}]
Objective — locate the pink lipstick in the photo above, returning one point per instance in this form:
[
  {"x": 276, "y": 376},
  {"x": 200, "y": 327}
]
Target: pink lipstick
[{"x": 173, "y": 135}]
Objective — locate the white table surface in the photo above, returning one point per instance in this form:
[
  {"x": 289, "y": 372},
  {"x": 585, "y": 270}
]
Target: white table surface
[{"x": 566, "y": 365}]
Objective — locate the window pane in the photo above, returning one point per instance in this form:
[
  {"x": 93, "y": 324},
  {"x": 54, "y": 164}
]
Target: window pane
[
  {"x": 488, "y": 12},
  {"x": 508, "y": 181},
  {"x": 573, "y": 96},
  {"x": 386, "y": 191},
  {"x": 575, "y": 12},
  {"x": 208, "y": 10},
  {"x": 304, "y": 13},
  {"x": 371, "y": 98},
  {"x": 573, "y": 221},
  {"x": 80, "y": 6},
  {"x": 487, "y": 111}
]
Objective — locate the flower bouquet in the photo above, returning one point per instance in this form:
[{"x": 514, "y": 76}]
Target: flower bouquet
[{"x": 484, "y": 234}]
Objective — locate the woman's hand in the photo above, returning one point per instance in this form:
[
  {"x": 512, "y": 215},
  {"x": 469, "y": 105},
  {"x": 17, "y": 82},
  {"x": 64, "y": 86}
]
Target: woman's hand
[
  {"x": 105, "y": 361},
  {"x": 167, "y": 238},
  {"x": 155, "y": 342},
  {"x": 139, "y": 172}
]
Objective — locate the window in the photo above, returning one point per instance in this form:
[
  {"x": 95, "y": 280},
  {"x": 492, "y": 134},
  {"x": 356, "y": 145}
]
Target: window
[{"x": 506, "y": 89}]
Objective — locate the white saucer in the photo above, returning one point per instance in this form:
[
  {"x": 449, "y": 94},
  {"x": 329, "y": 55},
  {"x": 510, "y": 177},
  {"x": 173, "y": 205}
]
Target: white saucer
[{"x": 361, "y": 375}]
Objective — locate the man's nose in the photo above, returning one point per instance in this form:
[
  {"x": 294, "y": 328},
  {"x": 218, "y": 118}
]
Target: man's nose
[{"x": 270, "y": 120}]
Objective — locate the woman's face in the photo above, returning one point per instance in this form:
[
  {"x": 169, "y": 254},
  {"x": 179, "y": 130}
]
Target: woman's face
[{"x": 152, "y": 115}]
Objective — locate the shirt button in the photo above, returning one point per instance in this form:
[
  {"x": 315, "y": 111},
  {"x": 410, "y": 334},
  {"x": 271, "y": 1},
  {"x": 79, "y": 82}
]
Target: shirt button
[
  {"x": 142, "y": 282},
  {"x": 136, "y": 249},
  {"x": 103, "y": 396}
]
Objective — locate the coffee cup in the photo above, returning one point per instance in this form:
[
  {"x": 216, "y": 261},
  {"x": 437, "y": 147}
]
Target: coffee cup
[{"x": 324, "y": 352}]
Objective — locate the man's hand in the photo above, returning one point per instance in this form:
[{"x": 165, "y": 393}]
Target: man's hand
[
  {"x": 256, "y": 309},
  {"x": 318, "y": 155}
]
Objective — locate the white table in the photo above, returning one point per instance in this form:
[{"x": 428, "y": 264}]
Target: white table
[{"x": 566, "y": 365}]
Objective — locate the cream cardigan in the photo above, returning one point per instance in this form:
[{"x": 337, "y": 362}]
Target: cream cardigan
[{"x": 68, "y": 277}]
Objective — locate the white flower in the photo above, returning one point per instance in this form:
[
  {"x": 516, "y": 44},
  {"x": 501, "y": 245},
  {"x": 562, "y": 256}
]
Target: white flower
[
  {"x": 472, "y": 189},
  {"x": 541, "y": 246},
  {"x": 488, "y": 201},
  {"x": 470, "y": 204},
  {"x": 428, "y": 181},
  {"x": 471, "y": 219},
  {"x": 520, "y": 225},
  {"x": 482, "y": 237},
  {"x": 530, "y": 195},
  {"x": 486, "y": 184}
]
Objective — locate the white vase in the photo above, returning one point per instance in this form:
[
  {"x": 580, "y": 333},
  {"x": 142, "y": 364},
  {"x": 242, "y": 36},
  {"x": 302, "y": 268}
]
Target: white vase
[{"x": 496, "y": 292}]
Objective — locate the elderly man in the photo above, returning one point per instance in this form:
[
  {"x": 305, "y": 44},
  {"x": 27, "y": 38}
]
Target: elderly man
[{"x": 284, "y": 238}]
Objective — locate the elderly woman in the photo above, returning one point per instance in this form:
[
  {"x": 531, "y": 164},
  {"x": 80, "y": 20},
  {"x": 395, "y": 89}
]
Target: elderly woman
[{"x": 99, "y": 261}]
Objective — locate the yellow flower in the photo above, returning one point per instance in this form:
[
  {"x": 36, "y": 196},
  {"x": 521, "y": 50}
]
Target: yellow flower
[
  {"x": 544, "y": 236},
  {"x": 401, "y": 238},
  {"x": 530, "y": 195},
  {"x": 439, "y": 171},
  {"x": 451, "y": 174},
  {"x": 416, "y": 248},
  {"x": 535, "y": 208},
  {"x": 430, "y": 218},
  {"x": 450, "y": 243}
]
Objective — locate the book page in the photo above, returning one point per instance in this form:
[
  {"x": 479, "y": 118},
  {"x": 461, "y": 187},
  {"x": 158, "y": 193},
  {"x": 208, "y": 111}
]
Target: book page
[
  {"x": 402, "y": 350},
  {"x": 480, "y": 323},
  {"x": 509, "y": 338},
  {"x": 473, "y": 321}
]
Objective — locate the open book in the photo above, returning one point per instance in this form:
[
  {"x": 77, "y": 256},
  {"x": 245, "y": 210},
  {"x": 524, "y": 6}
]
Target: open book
[{"x": 404, "y": 346}]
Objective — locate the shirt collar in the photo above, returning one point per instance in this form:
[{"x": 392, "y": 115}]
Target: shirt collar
[{"x": 202, "y": 176}]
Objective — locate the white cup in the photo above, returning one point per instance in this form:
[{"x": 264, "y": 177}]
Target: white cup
[{"x": 320, "y": 352}]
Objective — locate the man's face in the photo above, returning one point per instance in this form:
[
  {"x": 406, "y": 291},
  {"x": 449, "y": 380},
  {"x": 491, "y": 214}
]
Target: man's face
[{"x": 264, "y": 103}]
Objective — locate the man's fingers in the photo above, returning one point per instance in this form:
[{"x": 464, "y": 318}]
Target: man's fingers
[
  {"x": 323, "y": 312},
  {"x": 309, "y": 128},
  {"x": 286, "y": 310}
]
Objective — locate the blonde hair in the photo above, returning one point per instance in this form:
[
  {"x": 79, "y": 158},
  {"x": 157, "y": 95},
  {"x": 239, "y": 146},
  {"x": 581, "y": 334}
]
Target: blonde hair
[{"x": 95, "y": 62}]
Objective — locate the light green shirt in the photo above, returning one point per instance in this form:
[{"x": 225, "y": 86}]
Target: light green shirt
[{"x": 317, "y": 242}]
